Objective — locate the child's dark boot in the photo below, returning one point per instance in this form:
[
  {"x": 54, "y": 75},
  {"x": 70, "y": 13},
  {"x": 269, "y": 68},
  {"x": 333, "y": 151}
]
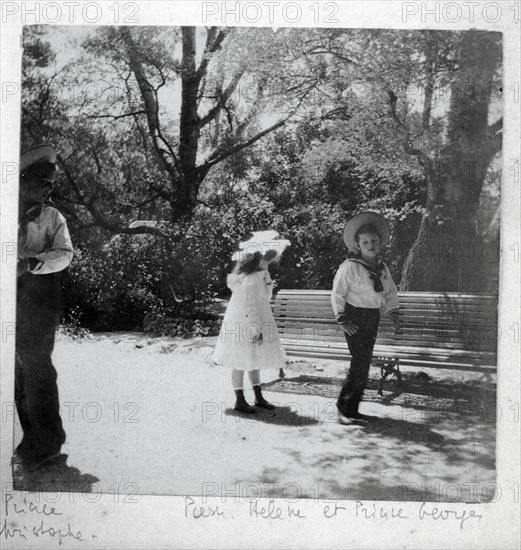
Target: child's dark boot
[
  {"x": 260, "y": 401},
  {"x": 242, "y": 405}
]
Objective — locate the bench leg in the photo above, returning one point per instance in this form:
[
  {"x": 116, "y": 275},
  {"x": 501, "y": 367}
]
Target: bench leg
[
  {"x": 383, "y": 375},
  {"x": 389, "y": 369},
  {"x": 399, "y": 374},
  {"x": 381, "y": 383}
]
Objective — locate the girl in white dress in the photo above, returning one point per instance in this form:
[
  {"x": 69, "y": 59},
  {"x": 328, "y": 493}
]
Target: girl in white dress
[{"x": 249, "y": 340}]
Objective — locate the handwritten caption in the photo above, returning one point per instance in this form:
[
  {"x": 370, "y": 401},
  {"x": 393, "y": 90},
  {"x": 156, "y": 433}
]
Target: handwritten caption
[
  {"x": 277, "y": 510},
  {"x": 25, "y": 519}
]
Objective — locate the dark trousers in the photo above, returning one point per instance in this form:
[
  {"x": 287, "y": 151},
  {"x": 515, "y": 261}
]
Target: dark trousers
[
  {"x": 36, "y": 390},
  {"x": 361, "y": 347}
]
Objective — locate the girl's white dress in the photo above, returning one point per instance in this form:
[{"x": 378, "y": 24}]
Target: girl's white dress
[{"x": 247, "y": 314}]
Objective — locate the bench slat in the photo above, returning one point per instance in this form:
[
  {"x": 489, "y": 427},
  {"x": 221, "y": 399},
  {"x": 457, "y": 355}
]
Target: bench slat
[
  {"x": 456, "y": 345},
  {"x": 411, "y": 362},
  {"x": 431, "y": 354},
  {"x": 326, "y": 304},
  {"x": 417, "y": 318},
  {"x": 411, "y": 309},
  {"x": 473, "y": 346},
  {"x": 401, "y": 295},
  {"x": 488, "y": 330}
]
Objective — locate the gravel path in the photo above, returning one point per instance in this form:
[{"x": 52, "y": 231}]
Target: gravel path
[{"x": 155, "y": 416}]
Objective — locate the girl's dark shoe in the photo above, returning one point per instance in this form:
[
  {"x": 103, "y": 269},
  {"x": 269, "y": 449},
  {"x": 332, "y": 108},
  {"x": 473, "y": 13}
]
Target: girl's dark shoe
[
  {"x": 241, "y": 405},
  {"x": 260, "y": 401}
]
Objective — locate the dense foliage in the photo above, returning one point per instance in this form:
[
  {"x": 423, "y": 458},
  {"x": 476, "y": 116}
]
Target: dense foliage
[{"x": 169, "y": 159}]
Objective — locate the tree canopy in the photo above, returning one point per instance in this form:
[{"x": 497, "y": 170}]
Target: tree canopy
[{"x": 207, "y": 134}]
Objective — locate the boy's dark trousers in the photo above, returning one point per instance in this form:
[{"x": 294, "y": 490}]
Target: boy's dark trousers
[
  {"x": 361, "y": 347},
  {"x": 36, "y": 390}
]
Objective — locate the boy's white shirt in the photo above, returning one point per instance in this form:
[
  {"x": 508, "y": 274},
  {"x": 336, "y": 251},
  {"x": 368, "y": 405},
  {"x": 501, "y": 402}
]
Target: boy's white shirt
[
  {"x": 48, "y": 240},
  {"x": 354, "y": 285}
]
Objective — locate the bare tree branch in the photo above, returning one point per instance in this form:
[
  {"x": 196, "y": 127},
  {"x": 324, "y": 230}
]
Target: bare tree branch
[
  {"x": 117, "y": 117},
  {"x": 222, "y": 99},
  {"x": 214, "y": 38},
  {"x": 99, "y": 219},
  {"x": 218, "y": 157},
  {"x": 149, "y": 95}
]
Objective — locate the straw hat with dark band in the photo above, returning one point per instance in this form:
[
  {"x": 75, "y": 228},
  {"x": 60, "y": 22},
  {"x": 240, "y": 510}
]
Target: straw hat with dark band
[
  {"x": 40, "y": 153},
  {"x": 366, "y": 218}
]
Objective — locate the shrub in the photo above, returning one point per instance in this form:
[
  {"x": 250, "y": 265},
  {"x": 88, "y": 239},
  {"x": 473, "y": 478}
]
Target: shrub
[{"x": 159, "y": 323}]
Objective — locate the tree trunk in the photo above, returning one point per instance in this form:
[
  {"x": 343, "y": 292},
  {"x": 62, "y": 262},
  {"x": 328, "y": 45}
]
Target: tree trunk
[
  {"x": 448, "y": 254},
  {"x": 189, "y": 126}
]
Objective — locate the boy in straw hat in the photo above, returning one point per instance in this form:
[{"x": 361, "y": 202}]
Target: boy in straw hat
[
  {"x": 44, "y": 251},
  {"x": 362, "y": 290}
]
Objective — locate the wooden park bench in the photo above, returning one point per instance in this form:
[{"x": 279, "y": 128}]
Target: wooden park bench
[{"x": 439, "y": 330}]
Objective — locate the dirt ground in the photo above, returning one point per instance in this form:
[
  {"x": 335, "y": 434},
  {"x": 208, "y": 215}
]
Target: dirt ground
[{"x": 155, "y": 416}]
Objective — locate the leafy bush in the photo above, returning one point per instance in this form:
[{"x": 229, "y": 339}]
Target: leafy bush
[
  {"x": 116, "y": 287},
  {"x": 111, "y": 288},
  {"x": 158, "y": 323},
  {"x": 71, "y": 325}
]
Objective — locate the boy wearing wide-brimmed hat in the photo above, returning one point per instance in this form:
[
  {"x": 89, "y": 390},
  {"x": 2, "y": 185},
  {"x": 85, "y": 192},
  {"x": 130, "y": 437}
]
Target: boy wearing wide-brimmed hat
[
  {"x": 44, "y": 251},
  {"x": 362, "y": 290}
]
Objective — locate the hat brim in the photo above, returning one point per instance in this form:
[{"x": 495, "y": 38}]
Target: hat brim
[
  {"x": 40, "y": 153},
  {"x": 364, "y": 218},
  {"x": 261, "y": 245}
]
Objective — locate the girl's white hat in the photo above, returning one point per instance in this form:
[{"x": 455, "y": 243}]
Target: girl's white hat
[
  {"x": 364, "y": 218},
  {"x": 262, "y": 241}
]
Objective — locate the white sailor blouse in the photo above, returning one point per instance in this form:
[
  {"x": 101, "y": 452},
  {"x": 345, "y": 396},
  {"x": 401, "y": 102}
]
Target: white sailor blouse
[{"x": 355, "y": 283}]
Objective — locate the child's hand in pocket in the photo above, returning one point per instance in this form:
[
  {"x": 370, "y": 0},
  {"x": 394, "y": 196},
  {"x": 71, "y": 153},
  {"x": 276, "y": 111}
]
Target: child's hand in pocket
[
  {"x": 397, "y": 323},
  {"x": 350, "y": 328}
]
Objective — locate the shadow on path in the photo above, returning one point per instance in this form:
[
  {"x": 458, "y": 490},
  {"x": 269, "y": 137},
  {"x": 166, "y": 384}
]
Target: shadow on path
[
  {"x": 386, "y": 459},
  {"x": 61, "y": 478},
  {"x": 401, "y": 430},
  {"x": 282, "y": 416},
  {"x": 464, "y": 398}
]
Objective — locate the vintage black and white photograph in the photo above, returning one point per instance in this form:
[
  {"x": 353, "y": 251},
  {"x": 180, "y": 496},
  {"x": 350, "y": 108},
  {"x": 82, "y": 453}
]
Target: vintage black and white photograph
[
  {"x": 259, "y": 264},
  {"x": 175, "y": 180}
]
